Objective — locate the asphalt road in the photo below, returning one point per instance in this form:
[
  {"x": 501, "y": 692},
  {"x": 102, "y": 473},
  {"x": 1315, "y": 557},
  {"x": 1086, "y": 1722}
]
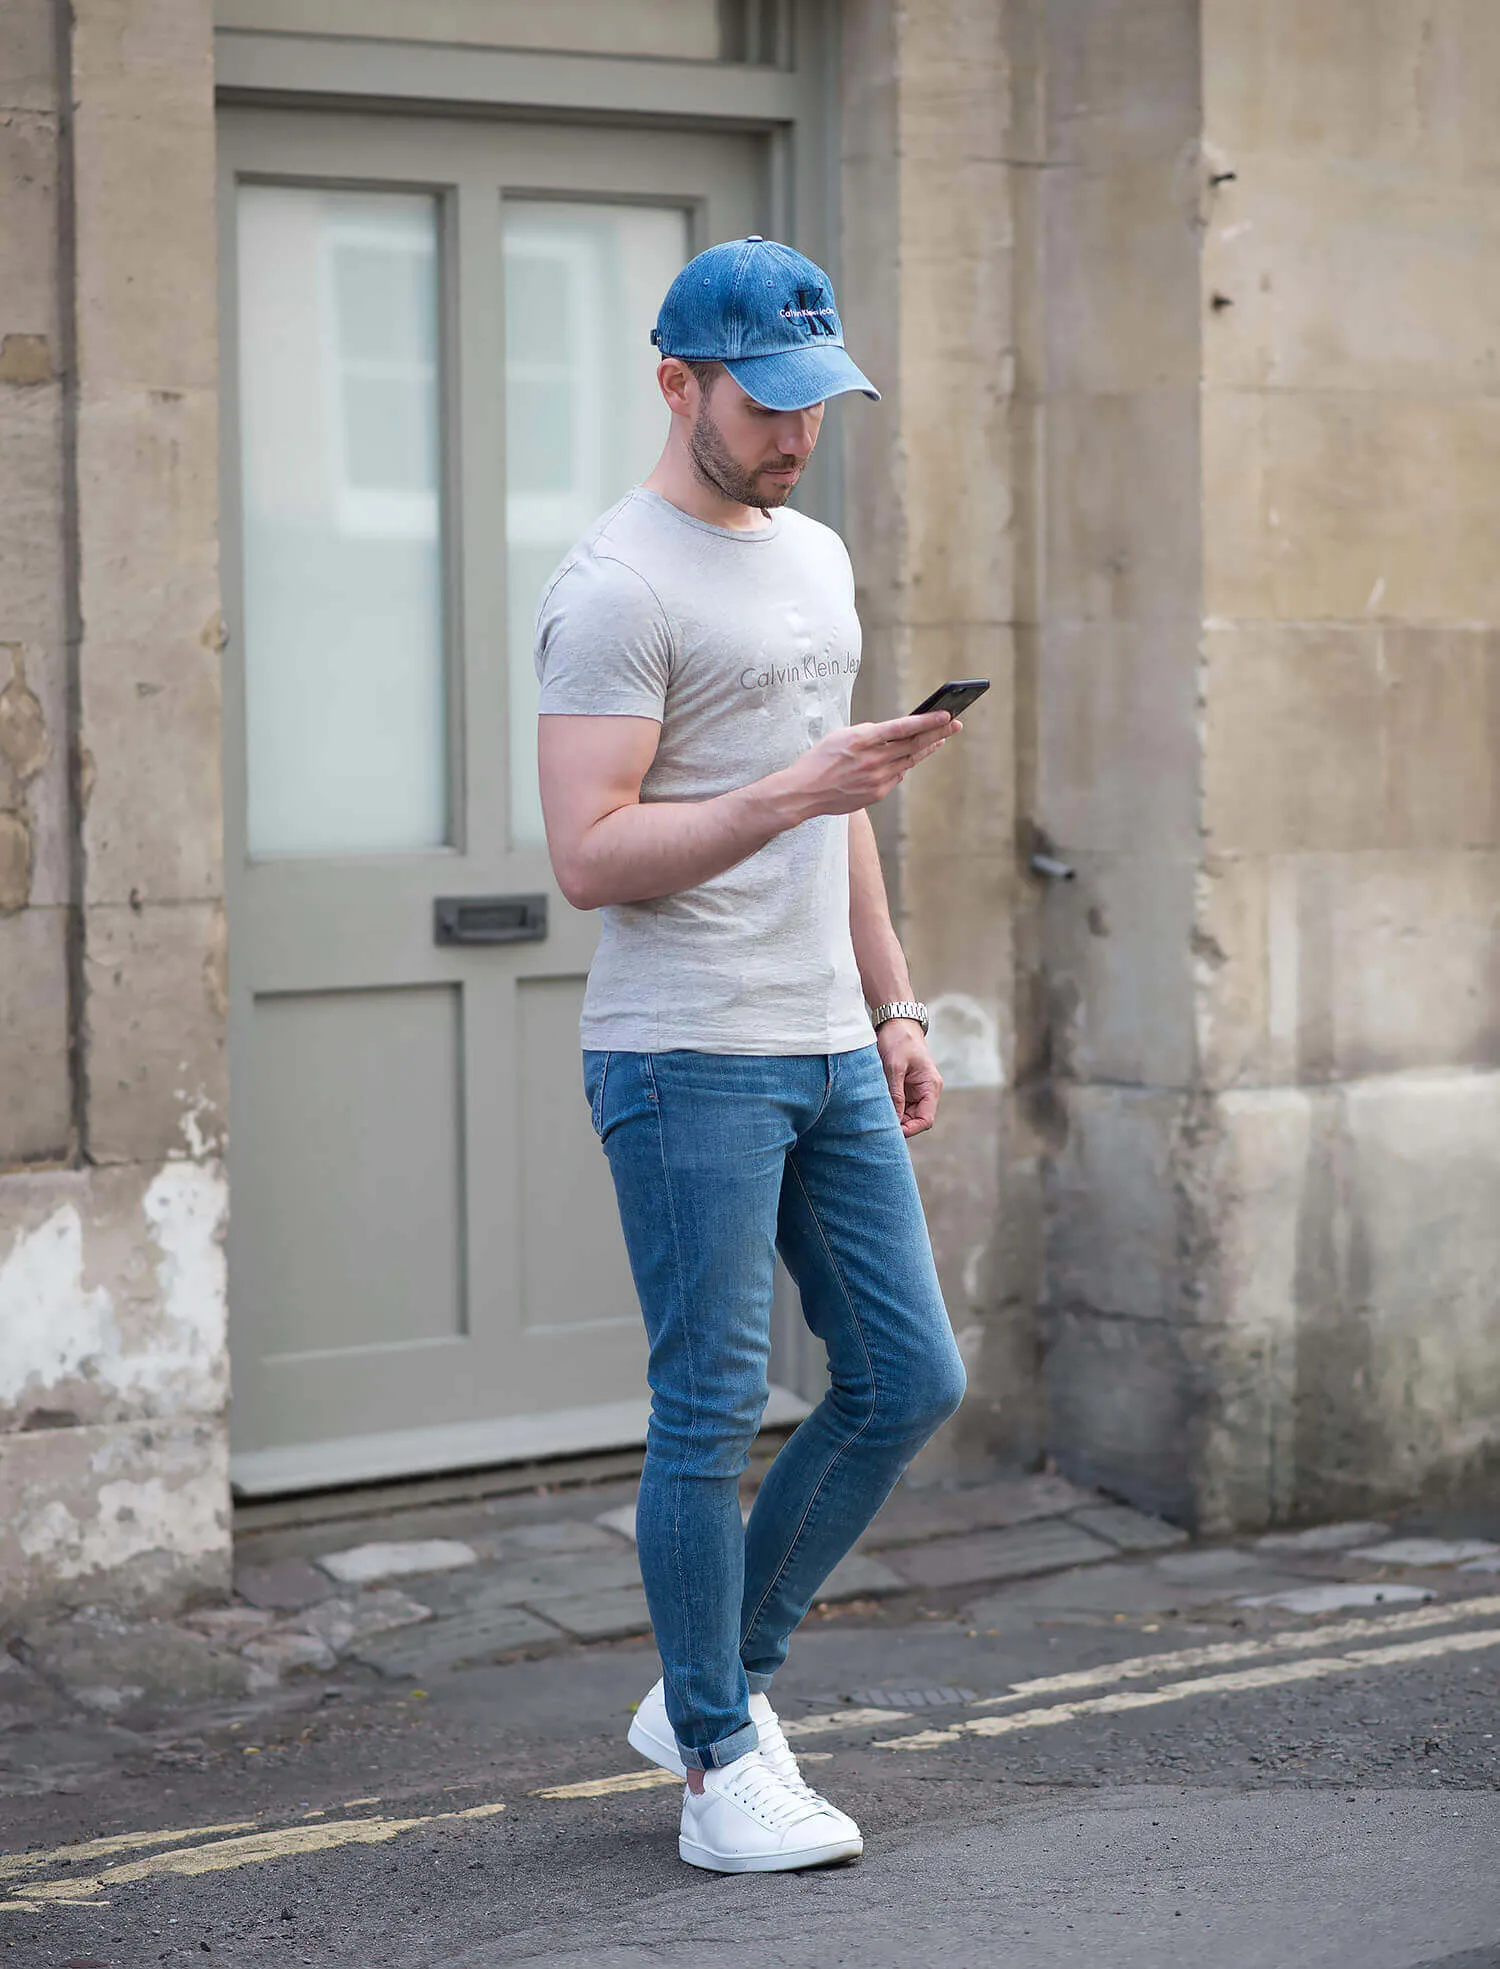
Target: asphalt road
[{"x": 1321, "y": 1796}]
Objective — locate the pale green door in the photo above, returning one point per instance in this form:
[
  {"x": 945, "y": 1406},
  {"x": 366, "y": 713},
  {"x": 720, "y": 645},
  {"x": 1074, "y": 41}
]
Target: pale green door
[{"x": 437, "y": 372}]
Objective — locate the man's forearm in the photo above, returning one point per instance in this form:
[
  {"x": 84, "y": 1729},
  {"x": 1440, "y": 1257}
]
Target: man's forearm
[
  {"x": 877, "y": 950},
  {"x": 656, "y": 848}
]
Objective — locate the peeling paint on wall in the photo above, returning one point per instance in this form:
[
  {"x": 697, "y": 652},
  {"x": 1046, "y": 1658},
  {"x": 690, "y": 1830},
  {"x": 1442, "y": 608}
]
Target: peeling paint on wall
[
  {"x": 165, "y": 1352},
  {"x": 129, "y": 1520},
  {"x": 187, "y": 1207},
  {"x": 965, "y": 1041},
  {"x": 51, "y": 1328}
]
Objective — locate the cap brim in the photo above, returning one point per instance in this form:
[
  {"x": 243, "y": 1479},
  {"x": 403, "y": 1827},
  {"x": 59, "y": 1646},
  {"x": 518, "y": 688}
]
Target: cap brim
[{"x": 795, "y": 379}]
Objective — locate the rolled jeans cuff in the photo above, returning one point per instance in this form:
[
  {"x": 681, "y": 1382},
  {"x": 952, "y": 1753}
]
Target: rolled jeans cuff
[
  {"x": 725, "y": 1751},
  {"x": 760, "y": 1685}
]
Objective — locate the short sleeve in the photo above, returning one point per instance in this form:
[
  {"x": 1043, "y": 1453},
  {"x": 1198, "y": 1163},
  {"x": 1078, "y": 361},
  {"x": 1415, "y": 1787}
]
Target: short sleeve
[{"x": 603, "y": 644}]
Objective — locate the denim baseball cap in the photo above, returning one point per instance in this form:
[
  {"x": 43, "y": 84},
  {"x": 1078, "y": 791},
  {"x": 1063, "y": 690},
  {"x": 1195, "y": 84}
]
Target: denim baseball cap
[{"x": 768, "y": 315}]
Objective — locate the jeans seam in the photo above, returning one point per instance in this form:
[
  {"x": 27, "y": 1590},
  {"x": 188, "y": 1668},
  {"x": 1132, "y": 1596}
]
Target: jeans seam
[
  {"x": 687, "y": 1342},
  {"x": 844, "y": 1447},
  {"x": 599, "y": 1095}
]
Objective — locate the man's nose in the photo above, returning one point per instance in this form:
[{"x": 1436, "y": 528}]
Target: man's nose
[{"x": 798, "y": 434}]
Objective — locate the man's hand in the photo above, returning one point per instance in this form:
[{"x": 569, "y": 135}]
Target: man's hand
[
  {"x": 858, "y": 765},
  {"x": 910, "y": 1073}
]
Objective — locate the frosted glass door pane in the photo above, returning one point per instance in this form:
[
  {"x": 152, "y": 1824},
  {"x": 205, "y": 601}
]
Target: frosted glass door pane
[
  {"x": 340, "y": 442},
  {"x": 583, "y": 418}
]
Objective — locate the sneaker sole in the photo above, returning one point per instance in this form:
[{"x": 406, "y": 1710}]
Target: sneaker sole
[
  {"x": 830, "y": 1855},
  {"x": 655, "y": 1749}
]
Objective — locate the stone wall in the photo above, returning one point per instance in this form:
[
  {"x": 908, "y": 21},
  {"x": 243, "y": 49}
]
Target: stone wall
[
  {"x": 1275, "y": 989},
  {"x": 935, "y": 134},
  {"x": 113, "y": 1370}
]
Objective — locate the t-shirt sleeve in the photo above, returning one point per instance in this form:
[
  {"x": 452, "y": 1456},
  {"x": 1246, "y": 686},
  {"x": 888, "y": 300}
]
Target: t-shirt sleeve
[{"x": 603, "y": 644}]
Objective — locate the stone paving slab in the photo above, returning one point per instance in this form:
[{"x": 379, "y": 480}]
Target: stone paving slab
[
  {"x": 1322, "y": 1538},
  {"x": 1129, "y": 1529},
  {"x": 522, "y": 1582},
  {"x": 1332, "y": 1596},
  {"x": 339, "y": 1624},
  {"x": 1218, "y": 1562},
  {"x": 859, "y": 1577},
  {"x": 360, "y": 1565},
  {"x": 476, "y": 1636},
  {"x": 603, "y": 1616},
  {"x": 284, "y": 1586},
  {"x": 1046, "y": 1546},
  {"x": 124, "y": 1669},
  {"x": 1425, "y": 1551},
  {"x": 912, "y": 1516},
  {"x": 553, "y": 1539}
]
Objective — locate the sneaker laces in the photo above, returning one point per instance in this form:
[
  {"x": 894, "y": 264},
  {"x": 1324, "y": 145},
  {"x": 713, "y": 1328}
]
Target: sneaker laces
[
  {"x": 781, "y": 1761},
  {"x": 752, "y": 1783}
]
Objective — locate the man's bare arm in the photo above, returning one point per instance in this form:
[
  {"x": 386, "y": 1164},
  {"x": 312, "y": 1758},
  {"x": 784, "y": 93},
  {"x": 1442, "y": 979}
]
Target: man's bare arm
[
  {"x": 910, "y": 1071},
  {"x": 608, "y": 846},
  {"x": 877, "y": 950}
]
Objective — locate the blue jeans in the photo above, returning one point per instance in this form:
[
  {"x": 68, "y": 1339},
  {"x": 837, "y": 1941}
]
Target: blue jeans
[{"x": 719, "y": 1161}]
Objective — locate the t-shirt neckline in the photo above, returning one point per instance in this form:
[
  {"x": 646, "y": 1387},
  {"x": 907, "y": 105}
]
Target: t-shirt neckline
[{"x": 752, "y": 537}]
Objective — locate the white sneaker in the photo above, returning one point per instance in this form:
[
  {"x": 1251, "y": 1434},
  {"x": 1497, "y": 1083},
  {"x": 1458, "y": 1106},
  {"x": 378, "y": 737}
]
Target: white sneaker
[
  {"x": 651, "y": 1734},
  {"x": 748, "y": 1820}
]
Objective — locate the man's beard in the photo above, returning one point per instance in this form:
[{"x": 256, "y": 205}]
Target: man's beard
[{"x": 717, "y": 466}]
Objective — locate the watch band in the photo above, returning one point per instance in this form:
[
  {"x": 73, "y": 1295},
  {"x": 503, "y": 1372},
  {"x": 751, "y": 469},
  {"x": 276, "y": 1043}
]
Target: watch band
[{"x": 900, "y": 1008}]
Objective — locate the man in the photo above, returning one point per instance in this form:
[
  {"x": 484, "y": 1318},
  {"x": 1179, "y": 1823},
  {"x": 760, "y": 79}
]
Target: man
[{"x": 704, "y": 789}]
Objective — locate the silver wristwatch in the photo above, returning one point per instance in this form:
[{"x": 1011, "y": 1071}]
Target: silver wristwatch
[{"x": 900, "y": 1008}]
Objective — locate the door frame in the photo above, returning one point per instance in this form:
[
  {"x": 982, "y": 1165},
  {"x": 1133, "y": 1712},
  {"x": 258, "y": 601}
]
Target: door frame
[{"x": 794, "y": 110}]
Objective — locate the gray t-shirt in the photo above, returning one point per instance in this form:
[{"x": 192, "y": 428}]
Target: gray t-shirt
[{"x": 745, "y": 647}]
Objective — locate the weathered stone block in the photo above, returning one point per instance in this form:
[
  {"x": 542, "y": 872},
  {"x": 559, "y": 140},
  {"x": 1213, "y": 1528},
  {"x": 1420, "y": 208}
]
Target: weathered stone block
[
  {"x": 35, "y": 1083},
  {"x": 1442, "y": 737},
  {"x": 31, "y": 568},
  {"x": 1349, "y": 505},
  {"x": 150, "y": 659},
  {"x": 156, "y": 1010},
  {"x": 1328, "y": 966},
  {"x": 144, "y": 193},
  {"x": 1332, "y": 736},
  {"x": 135, "y": 1517},
  {"x": 1407, "y": 86},
  {"x": 1121, "y": 253},
  {"x": 1119, "y": 970},
  {"x": 960, "y": 538},
  {"x": 1123, "y": 524},
  {"x": 955, "y": 81},
  {"x": 112, "y": 1296},
  {"x": 1411, "y": 1256},
  {"x": 1123, "y": 81},
  {"x": 28, "y": 242},
  {"x": 1340, "y": 278},
  {"x": 1114, "y": 1215},
  {"x": 1294, "y": 751},
  {"x": 28, "y": 56},
  {"x": 33, "y": 764},
  {"x": 1117, "y": 740}
]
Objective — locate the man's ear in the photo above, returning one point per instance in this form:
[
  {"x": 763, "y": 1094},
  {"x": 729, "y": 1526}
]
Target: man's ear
[{"x": 678, "y": 385}]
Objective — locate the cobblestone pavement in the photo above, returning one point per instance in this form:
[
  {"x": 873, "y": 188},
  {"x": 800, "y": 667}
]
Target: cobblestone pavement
[{"x": 1069, "y": 1735}]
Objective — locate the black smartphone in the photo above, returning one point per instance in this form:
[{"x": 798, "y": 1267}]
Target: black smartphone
[{"x": 953, "y": 697}]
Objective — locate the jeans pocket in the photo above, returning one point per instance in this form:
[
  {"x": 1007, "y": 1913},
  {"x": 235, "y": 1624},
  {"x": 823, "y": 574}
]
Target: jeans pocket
[{"x": 595, "y": 1073}]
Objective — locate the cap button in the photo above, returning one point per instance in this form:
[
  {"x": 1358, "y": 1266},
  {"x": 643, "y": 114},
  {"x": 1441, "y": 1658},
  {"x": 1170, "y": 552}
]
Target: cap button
[{"x": 755, "y": 239}]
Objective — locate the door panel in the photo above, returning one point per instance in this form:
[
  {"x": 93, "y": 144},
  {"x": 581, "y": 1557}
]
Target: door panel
[
  {"x": 367, "y": 1204},
  {"x": 437, "y": 371}
]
